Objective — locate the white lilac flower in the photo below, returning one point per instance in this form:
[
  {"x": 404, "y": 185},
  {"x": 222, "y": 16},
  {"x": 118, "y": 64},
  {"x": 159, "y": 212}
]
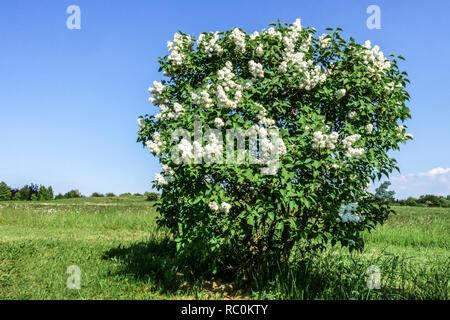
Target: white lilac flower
[
  {"x": 210, "y": 46},
  {"x": 254, "y": 35},
  {"x": 140, "y": 122},
  {"x": 168, "y": 171},
  {"x": 350, "y": 140},
  {"x": 402, "y": 133},
  {"x": 340, "y": 93},
  {"x": 369, "y": 128},
  {"x": 225, "y": 207},
  {"x": 175, "y": 48},
  {"x": 213, "y": 206},
  {"x": 260, "y": 50},
  {"x": 352, "y": 114},
  {"x": 155, "y": 146},
  {"x": 272, "y": 32},
  {"x": 225, "y": 77},
  {"x": 324, "y": 40},
  {"x": 256, "y": 69},
  {"x": 219, "y": 123},
  {"x": 166, "y": 176},
  {"x": 213, "y": 151},
  {"x": 160, "y": 179},
  {"x": 324, "y": 141},
  {"x": 313, "y": 75},
  {"x": 238, "y": 38},
  {"x": 355, "y": 152},
  {"x": 262, "y": 117},
  {"x": 203, "y": 99},
  {"x": 374, "y": 59},
  {"x": 348, "y": 144},
  {"x": 185, "y": 148},
  {"x": 157, "y": 92}
]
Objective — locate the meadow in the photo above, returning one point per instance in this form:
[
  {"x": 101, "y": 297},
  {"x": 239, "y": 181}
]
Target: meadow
[{"x": 121, "y": 255}]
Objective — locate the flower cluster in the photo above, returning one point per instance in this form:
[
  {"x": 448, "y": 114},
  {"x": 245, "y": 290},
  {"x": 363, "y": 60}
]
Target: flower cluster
[
  {"x": 369, "y": 128},
  {"x": 256, "y": 69},
  {"x": 391, "y": 86},
  {"x": 339, "y": 94},
  {"x": 213, "y": 151},
  {"x": 346, "y": 213},
  {"x": 225, "y": 76},
  {"x": 238, "y": 38},
  {"x": 348, "y": 144},
  {"x": 203, "y": 99},
  {"x": 166, "y": 114},
  {"x": 375, "y": 60},
  {"x": 166, "y": 177},
  {"x": 402, "y": 135},
  {"x": 262, "y": 117},
  {"x": 324, "y": 40},
  {"x": 290, "y": 55},
  {"x": 271, "y": 32},
  {"x": 219, "y": 123},
  {"x": 157, "y": 93},
  {"x": 352, "y": 114},
  {"x": 260, "y": 50},
  {"x": 185, "y": 150},
  {"x": 312, "y": 78},
  {"x": 224, "y": 207},
  {"x": 270, "y": 149},
  {"x": 155, "y": 145},
  {"x": 175, "y": 48},
  {"x": 210, "y": 46},
  {"x": 323, "y": 141}
]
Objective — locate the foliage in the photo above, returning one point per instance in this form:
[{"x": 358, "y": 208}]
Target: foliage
[
  {"x": 45, "y": 193},
  {"x": 25, "y": 193},
  {"x": 127, "y": 194},
  {"x": 336, "y": 106},
  {"x": 5, "y": 192},
  {"x": 428, "y": 200},
  {"x": 152, "y": 196},
  {"x": 97, "y": 195}
]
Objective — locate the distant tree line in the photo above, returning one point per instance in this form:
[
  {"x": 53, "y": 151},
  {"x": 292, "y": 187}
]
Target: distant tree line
[
  {"x": 428, "y": 200},
  {"x": 34, "y": 192},
  {"x": 31, "y": 192}
]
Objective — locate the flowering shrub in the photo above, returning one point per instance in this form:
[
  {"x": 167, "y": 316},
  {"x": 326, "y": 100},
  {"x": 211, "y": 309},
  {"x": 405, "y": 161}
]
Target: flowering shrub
[{"x": 336, "y": 106}]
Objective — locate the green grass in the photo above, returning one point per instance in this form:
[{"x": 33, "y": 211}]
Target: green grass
[{"x": 122, "y": 256}]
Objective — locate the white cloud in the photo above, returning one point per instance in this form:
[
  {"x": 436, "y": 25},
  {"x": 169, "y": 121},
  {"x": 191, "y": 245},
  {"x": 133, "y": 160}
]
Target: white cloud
[{"x": 435, "y": 181}]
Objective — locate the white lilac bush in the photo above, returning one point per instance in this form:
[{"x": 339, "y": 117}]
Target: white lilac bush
[{"x": 337, "y": 108}]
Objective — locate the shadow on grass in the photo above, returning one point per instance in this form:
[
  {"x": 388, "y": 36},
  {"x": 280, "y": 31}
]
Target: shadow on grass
[
  {"x": 154, "y": 260},
  {"x": 321, "y": 276}
]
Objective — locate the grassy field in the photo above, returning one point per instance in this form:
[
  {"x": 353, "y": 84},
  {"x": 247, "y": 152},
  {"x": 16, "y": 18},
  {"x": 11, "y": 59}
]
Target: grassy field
[{"x": 121, "y": 255}]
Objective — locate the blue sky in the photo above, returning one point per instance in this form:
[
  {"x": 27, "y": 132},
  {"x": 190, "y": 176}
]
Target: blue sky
[{"x": 69, "y": 99}]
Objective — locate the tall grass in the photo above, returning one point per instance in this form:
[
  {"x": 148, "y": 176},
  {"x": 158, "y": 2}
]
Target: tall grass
[{"x": 123, "y": 256}]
